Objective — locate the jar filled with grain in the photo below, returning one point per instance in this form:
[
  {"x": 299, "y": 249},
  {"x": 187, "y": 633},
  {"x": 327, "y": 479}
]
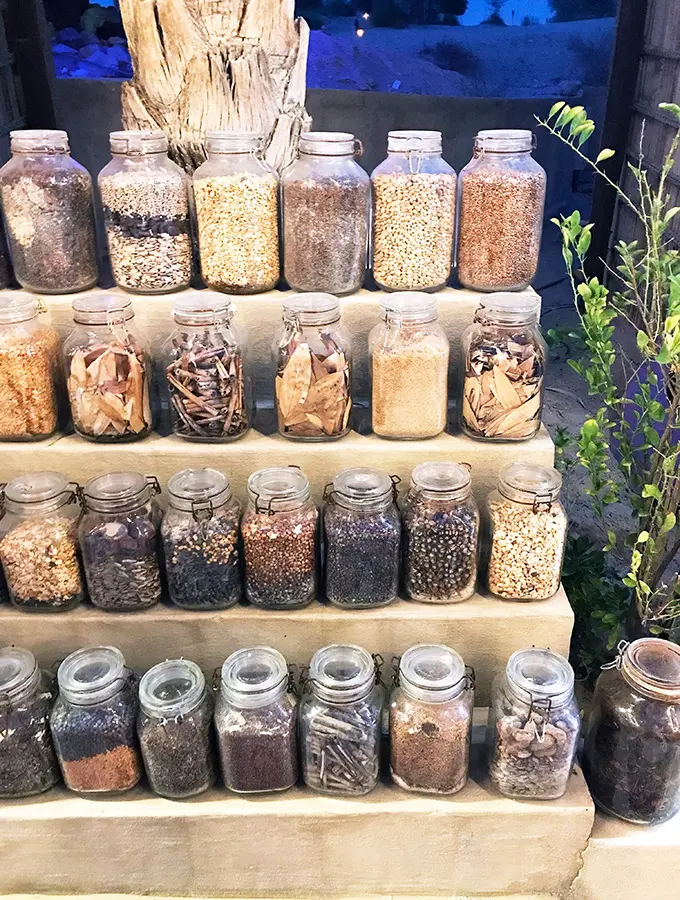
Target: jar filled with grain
[
  {"x": 39, "y": 542},
  {"x": 501, "y": 195},
  {"x": 409, "y": 364},
  {"x": 326, "y": 206},
  {"x": 534, "y": 724},
  {"x": 49, "y": 216},
  {"x": 313, "y": 370},
  {"x": 414, "y": 194},
  {"x": 145, "y": 197},
  {"x": 503, "y": 368},
  {"x": 528, "y": 533},
  {"x": 237, "y": 212}
]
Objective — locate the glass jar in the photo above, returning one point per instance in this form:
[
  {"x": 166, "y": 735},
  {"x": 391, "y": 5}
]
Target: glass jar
[
  {"x": 28, "y": 764},
  {"x": 175, "y": 729},
  {"x": 201, "y": 534},
  {"x": 256, "y": 722},
  {"x": 631, "y": 756},
  {"x": 119, "y": 536},
  {"x": 414, "y": 194},
  {"x": 39, "y": 542},
  {"x": 362, "y": 532},
  {"x": 409, "y": 354},
  {"x": 501, "y": 194},
  {"x": 94, "y": 722},
  {"x": 528, "y": 533},
  {"x": 326, "y": 206},
  {"x": 29, "y": 371},
  {"x": 534, "y": 724},
  {"x": 206, "y": 371},
  {"x": 145, "y": 197},
  {"x": 237, "y": 211},
  {"x": 279, "y": 530},
  {"x": 49, "y": 215},
  {"x": 108, "y": 371},
  {"x": 313, "y": 370}
]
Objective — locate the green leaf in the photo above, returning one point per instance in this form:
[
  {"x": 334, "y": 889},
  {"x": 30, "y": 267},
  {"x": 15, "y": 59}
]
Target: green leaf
[
  {"x": 643, "y": 537},
  {"x": 651, "y": 490},
  {"x": 656, "y": 411},
  {"x": 670, "y": 213},
  {"x": 604, "y": 155},
  {"x": 668, "y": 523},
  {"x": 585, "y": 133},
  {"x": 655, "y": 629},
  {"x": 563, "y": 117},
  {"x": 651, "y": 436},
  {"x": 671, "y": 108},
  {"x": 628, "y": 581},
  {"x": 611, "y": 541},
  {"x": 645, "y": 588},
  {"x": 555, "y": 108},
  {"x": 663, "y": 356},
  {"x": 583, "y": 243},
  {"x": 642, "y": 340}
]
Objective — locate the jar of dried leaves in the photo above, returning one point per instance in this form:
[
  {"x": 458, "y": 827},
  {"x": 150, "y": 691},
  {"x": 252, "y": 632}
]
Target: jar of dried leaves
[
  {"x": 504, "y": 359},
  {"x": 313, "y": 370}
]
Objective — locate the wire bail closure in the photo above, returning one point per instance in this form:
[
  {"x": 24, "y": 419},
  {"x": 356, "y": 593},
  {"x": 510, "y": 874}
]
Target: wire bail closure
[
  {"x": 617, "y": 662},
  {"x": 198, "y": 507}
]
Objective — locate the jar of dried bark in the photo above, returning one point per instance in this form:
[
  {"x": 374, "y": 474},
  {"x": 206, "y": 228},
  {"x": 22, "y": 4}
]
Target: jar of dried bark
[
  {"x": 313, "y": 370},
  {"x": 256, "y": 722},
  {"x": 326, "y": 206},
  {"x": 108, "y": 371},
  {"x": 503, "y": 362},
  {"x": 501, "y": 198},
  {"x": 340, "y": 722},
  {"x": 534, "y": 723}
]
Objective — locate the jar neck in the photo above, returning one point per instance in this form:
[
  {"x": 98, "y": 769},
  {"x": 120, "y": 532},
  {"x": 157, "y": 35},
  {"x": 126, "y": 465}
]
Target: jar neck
[
  {"x": 442, "y": 496},
  {"x": 441, "y": 695},
  {"x": 92, "y": 698},
  {"x": 297, "y": 320},
  {"x": 196, "y": 324},
  {"x": 362, "y": 504},
  {"x": 171, "y": 689},
  {"x": 650, "y": 666},
  {"x": 398, "y": 320},
  {"x": 131, "y": 156},
  {"x": 535, "y": 700},
  {"x": 200, "y": 509},
  {"x": 340, "y": 695},
  {"x": 32, "y": 509},
  {"x": 132, "y": 503},
  {"x": 104, "y": 319},
  {"x": 43, "y": 151},
  {"x": 20, "y": 692},
  {"x": 243, "y": 700},
  {"x": 506, "y": 320},
  {"x": 481, "y": 151},
  {"x": 538, "y": 502}
]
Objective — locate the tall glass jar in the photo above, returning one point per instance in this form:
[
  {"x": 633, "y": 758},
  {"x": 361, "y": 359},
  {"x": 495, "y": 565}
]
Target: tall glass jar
[
  {"x": 313, "y": 370},
  {"x": 237, "y": 211},
  {"x": 94, "y": 722},
  {"x": 340, "y": 722},
  {"x": 414, "y": 197},
  {"x": 528, "y": 533},
  {"x": 326, "y": 205},
  {"x": 49, "y": 215},
  {"x": 409, "y": 360},
  {"x": 201, "y": 536},
  {"x": 534, "y": 723},
  {"x": 501, "y": 195},
  {"x": 119, "y": 537},
  {"x": 279, "y": 530},
  {"x": 256, "y": 722},
  {"x": 146, "y": 213},
  {"x": 207, "y": 371},
  {"x": 39, "y": 542},
  {"x": 108, "y": 371}
]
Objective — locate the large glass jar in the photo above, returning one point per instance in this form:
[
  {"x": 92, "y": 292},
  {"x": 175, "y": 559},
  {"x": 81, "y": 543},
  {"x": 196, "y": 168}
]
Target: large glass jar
[
  {"x": 534, "y": 723},
  {"x": 201, "y": 536},
  {"x": 631, "y": 755},
  {"x": 237, "y": 211},
  {"x": 409, "y": 354},
  {"x": 119, "y": 537},
  {"x": 108, "y": 371},
  {"x": 362, "y": 539},
  {"x": 175, "y": 729},
  {"x": 501, "y": 194},
  {"x": 49, "y": 215},
  {"x": 28, "y": 764},
  {"x": 326, "y": 204},
  {"x": 94, "y": 722},
  {"x": 340, "y": 722},
  {"x": 39, "y": 542},
  {"x": 414, "y": 206},
  {"x": 256, "y": 722},
  {"x": 528, "y": 533},
  {"x": 146, "y": 213},
  {"x": 279, "y": 530},
  {"x": 313, "y": 370}
]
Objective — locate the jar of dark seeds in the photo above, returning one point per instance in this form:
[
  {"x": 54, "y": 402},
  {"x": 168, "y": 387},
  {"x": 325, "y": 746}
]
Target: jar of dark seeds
[
  {"x": 175, "y": 729},
  {"x": 146, "y": 213},
  {"x": 534, "y": 724},
  {"x": 362, "y": 532},
  {"x": 28, "y": 764},
  {"x": 200, "y": 533},
  {"x": 94, "y": 722},
  {"x": 39, "y": 543},
  {"x": 279, "y": 530},
  {"x": 441, "y": 534},
  {"x": 340, "y": 722},
  {"x": 49, "y": 216},
  {"x": 119, "y": 536},
  {"x": 256, "y": 722}
]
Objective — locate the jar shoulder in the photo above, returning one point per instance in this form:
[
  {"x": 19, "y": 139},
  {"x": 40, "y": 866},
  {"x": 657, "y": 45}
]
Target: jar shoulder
[{"x": 401, "y": 165}]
